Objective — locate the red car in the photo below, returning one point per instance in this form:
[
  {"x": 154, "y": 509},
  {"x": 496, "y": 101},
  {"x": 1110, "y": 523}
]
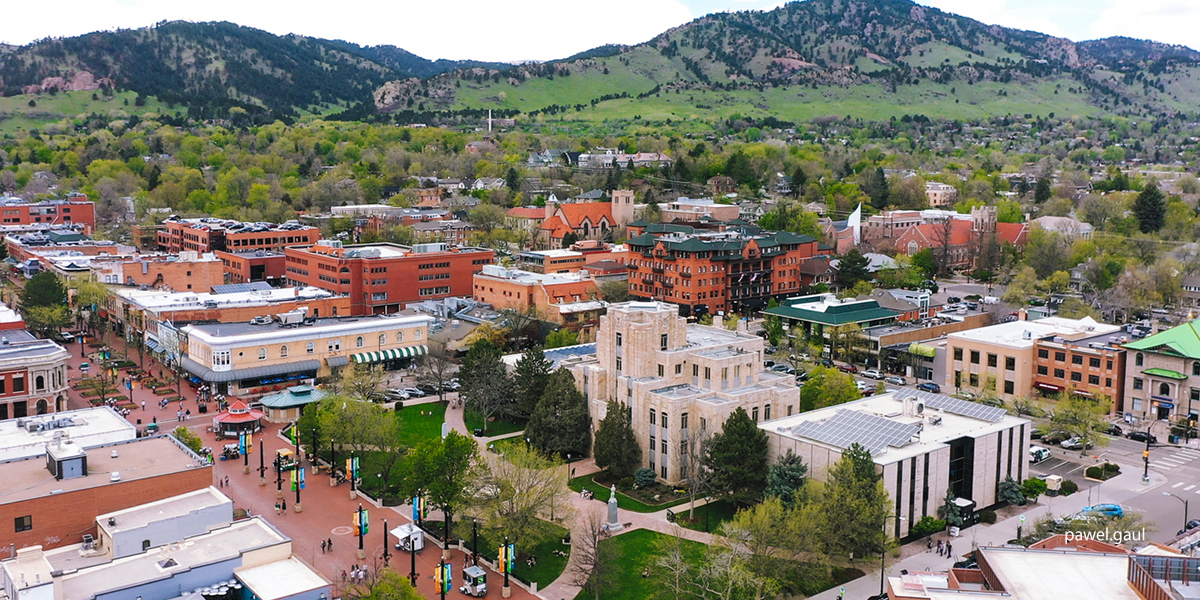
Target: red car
[{"x": 847, "y": 368}]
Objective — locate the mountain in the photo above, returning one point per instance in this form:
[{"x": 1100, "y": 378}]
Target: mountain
[
  {"x": 209, "y": 67},
  {"x": 869, "y": 58}
]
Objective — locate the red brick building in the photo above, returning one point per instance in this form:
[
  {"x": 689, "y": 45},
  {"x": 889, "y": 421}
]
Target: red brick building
[
  {"x": 57, "y": 508},
  {"x": 382, "y": 278},
  {"x": 565, "y": 298},
  {"x": 75, "y": 210},
  {"x": 210, "y": 234},
  {"x": 720, "y": 271},
  {"x": 255, "y": 265},
  {"x": 187, "y": 272}
]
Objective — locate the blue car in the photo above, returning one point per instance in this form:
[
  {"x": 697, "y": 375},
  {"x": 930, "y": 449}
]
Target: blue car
[
  {"x": 1107, "y": 510},
  {"x": 929, "y": 386}
]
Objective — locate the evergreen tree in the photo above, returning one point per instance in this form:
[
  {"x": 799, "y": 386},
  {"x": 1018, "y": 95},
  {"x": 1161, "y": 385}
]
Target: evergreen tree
[
  {"x": 484, "y": 381},
  {"x": 560, "y": 424},
  {"x": 855, "y": 505},
  {"x": 44, "y": 289},
  {"x": 1150, "y": 209},
  {"x": 799, "y": 180},
  {"x": 738, "y": 459},
  {"x": 784, "y": 477},
  {"x": 616, "y": 446},
  {"x": 853, "y": 268},
  {"x": 875, "y": 184},
  {"x": 1042, "y": 192},
  {"x": 530, "y": 377},
  {"x": 949, "y": 511},
  {"x": 512, "y": 179}
]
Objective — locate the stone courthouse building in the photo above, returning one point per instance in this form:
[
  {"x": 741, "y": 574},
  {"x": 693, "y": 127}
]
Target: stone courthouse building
[{"x": 679, "y": 380}]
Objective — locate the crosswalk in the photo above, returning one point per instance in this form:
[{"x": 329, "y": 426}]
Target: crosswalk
[{"x": 1175, "y": 459}]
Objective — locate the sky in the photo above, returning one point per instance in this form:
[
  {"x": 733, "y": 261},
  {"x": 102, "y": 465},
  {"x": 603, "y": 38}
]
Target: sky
[{"x": 518, "y": 30}]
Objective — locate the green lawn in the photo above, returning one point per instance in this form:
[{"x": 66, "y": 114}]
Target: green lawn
[
  {"x": 16, "y": 114},
  {"x": 421, "y": 422},
  {"x": 713, "y": 514},
  {"x": 549, "y": 565},
  {"x": 635, "y": 552},
  {"x": 623, "y": 502},
  {"x": 474, "y": 420}
]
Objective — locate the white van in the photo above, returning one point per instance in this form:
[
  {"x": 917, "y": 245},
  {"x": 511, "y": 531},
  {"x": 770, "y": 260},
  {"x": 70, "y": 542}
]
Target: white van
[
  {"x": 1037, "y": 454},
  {"x": 989, "y": 300}
]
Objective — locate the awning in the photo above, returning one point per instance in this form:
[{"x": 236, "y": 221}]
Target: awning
[
  {"x": 211, "y": 376},
  {"x": 392, "y": 354},
  {"x": 337, "y": 361},
  {"x": 922, "y": 350},
  {"x": 1048, "y": 387},
  {"x": 1169, "y": 374},
  {"x": 152, "y": 345}
]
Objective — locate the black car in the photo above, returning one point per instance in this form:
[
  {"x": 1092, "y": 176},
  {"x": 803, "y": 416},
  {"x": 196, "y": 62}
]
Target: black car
[
  {"x": 953, "y": 300},
  {"x": 1194, "y": 523},
  {"x": 1111, "y": 429},
  {"x": 1141, "y": 436}
]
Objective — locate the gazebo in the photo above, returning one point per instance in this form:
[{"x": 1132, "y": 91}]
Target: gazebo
[
  {"x": 285, "y": 406},
  {"x": 237, "y": 419}
]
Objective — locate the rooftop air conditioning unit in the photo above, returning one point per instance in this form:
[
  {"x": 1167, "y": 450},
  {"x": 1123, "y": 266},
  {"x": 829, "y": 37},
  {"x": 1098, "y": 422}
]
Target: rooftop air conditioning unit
[{"x": 935, "y": 419}]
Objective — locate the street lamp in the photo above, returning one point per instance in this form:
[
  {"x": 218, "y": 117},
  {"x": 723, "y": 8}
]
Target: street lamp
[
  {"x": 1185, "y": 507},
  {"x": 883, "y": 551},
  {"x": 1146, "y": 454}
]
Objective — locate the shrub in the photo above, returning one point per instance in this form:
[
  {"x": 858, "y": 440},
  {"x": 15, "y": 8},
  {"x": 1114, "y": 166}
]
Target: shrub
[
  {"x": 1093, "y": 473},
  {"x": 987, "y": 516},
  {"x": 1033, "y": 487},
  {"x": 1069, "y": 487},
  {"x": 643, "y": 478},
  {"x": 1111, "y": 468},
  {"x": 928, "y": 526},
  {"x": 624, "y": 483}
]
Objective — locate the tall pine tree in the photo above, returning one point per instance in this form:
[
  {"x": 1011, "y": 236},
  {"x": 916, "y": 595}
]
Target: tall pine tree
[
  {"x": 530, "y": 377},
  {"x": 1150, "y": 209},
  {"x": 560, "y": 424},
  {"x": 616, "y": 446},
  {"x": 486, "y": 386},
  {"x": 737, "y": 458}
]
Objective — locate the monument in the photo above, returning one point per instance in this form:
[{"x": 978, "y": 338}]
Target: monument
[{"x": 613, "y": 525}]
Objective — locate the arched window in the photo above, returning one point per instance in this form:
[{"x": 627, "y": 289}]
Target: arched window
[
  {"x": 399, "y": 337},
  {"x": 42, "y": 407},
  {"x": 417, "y": 334},
  {"x": 308, "y": 348},
  {"x": 39, "y": 383},
  {"x": 262, "y": 354},
  {"x": 1196, "y": 368},
  {"x": 283, "y": 351},
  {"x": 382, "y": 339},
  {"x": 358, "y": 342},
  {"x": 1164, "y": 389},
  {"x": 913, "y": 248},
  {"x": 1137, "y": 359}
]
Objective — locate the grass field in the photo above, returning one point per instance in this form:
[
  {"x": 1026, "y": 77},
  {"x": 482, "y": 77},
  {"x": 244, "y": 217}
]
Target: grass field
[
  {"x": 421, "y": 422},
  {"x": 708, "y": 517},
  {"x": 635, "y": 552},
  {"x": 624, "y": 502},
  {"x": 17, "y": 115},
  {"x": 474, "y": 420}
]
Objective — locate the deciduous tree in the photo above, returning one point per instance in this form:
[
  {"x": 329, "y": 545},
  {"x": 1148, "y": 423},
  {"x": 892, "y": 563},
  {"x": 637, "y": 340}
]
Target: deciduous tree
[
  {"x": 520, "y": 490},
  {"x": 446, "y": 471},
  {"x": 530, "y": 377},
  {"x": 484, "y": 382}
]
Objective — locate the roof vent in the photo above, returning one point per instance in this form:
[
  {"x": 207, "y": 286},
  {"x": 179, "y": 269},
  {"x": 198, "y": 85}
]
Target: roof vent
[
  {"x": 114, "y": 453},
  {"x": 112, "y": 521},
  {"x": 115, "y": 477}
]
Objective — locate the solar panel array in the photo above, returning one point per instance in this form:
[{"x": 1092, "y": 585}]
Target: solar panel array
[
  {"x": 847, "y": 427},
  {"x": 237, "y": 288},
  {"x": 966, "y": 408},
  {"x": 557, "y": 355}
]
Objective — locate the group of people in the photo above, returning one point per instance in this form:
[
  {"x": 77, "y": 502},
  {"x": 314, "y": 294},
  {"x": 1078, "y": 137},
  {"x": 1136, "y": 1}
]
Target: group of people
[
  {"x": 281, "y": 507},
  {"x": 943, "y": 547},
  {"x": 357, "y": 574}
]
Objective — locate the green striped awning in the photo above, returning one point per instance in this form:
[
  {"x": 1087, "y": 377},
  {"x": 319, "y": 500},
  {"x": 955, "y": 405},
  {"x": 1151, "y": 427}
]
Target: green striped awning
[
  {"x": 392, "y": 354},
  {"x": 922, "y": 350}
]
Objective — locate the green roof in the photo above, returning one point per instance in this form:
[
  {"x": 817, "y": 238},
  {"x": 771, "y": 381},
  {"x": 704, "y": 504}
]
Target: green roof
[
  {"x": 839, "y": 314},
  {"x": 1169, "y": 374},
  {"x": 646, "y": 239},
  {"x": 1183, "y": 340}
]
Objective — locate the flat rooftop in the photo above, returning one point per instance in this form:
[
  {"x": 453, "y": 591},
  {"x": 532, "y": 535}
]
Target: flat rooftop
[
  {"x": 280, "y": 579},
  {"x": 161, "y": 510},
  {"x": 702, "y": 336},
  {"x": 1057, "y": 574},
  {"x": 92, "y": 427},
  {"x": 322, "y": 325},
  {"x": 531, "y": 278},
  {"x": 1023, "y": 334},
  {"x": 156, "y": 300},
  {"x": 28, "y": 478},
  {"x": 889, "y": 426}
]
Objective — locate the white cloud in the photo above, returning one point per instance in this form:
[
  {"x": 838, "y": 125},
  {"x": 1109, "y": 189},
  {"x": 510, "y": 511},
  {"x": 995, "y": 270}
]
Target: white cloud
[
  {"x": 457, "y": 29},
  {"x": 1169, "y": 21}
]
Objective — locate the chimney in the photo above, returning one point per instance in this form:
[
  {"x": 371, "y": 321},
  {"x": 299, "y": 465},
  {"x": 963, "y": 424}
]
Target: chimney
[
  {"x": 1022, "y": 315},
  {"x": 550, "y": 206}
]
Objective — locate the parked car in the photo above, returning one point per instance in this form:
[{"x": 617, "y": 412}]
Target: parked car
[
  {"x": 396, "y": 394},
  {"x": 825, "y": 362},
  {"x": 414, "y": 392},
  {"x": 972, "y": 306},
  {"x": 771, "y": 349},
  {"x": 1037, "y": 454},
  {"x": 782, "y": 368},
  {"x": 801, "y": 376},
  {"x": 1110, "y": 429},
  {"x": 767, "y": 364},
  {"x": 953, "y": 300},
  {"x": 896, "y": 380},
  {"x": 865, "y": 388},
  {"x": 377, "y": 397},
  {"x": 1074, "y": 443},
  {"x": 929, "y": 386},
  {"x": 428, "y": 388},
  {"x": 1108, "y": 510},
  {"x": 802, "y": 356},
  {"x": 1054, "y": 438},
  {"x": 873, "y": 374},
  {"x": 1141, "y": 436},
  {"x": 1194, "y": 523},
  {"x": 847, "y": 368}
]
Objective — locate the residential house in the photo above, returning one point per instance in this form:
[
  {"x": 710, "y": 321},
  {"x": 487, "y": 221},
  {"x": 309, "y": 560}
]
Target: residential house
[
  {"x": 1069, "y": 228},
  {"x": 940, "y": 194},
  {"x": 721, "y": 185}
]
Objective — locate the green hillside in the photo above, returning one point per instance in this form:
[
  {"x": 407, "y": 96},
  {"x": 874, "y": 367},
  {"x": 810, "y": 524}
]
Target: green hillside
[{"x": 16, "y": 114}]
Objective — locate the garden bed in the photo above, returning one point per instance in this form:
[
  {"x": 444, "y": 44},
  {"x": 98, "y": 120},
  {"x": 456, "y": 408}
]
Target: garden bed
[
  {"x": 163, "y": 391},
  {"x": 1102, "y": 472},
  {"x": 600, "y": 488}
]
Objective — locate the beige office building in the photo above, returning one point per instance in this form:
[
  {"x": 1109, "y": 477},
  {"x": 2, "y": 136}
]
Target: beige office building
[{"x": 680, "y": 380}]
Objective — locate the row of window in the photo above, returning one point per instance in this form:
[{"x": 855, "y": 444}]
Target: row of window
[
  {"x": 427, "y": 266},
  {"x": 1076, "y": 359},
  {"x": 973, "y": 381},
  {"x": 1010, "y": 363},
  {"x": 221, "y": 358}
]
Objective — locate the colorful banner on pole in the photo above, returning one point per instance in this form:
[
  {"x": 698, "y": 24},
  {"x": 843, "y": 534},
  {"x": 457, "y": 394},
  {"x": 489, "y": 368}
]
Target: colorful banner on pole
[
  {"x": 362, "y": 522},
  {"x": 511, "y": 556},
  {"x": 502, "y": 559},
  {"x": 419, "y": 509},
  {"x": 352, "y": 467},
  {"x": 242, "y": 443},
  {"x": 447, "y": 577},
  {"x": 297, "y": 479}
]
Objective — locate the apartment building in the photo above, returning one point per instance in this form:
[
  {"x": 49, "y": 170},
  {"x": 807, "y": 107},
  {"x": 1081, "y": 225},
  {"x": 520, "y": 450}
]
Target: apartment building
[
  {"x": 76, "y": 210},
  {"x": 33, "y": 375},
  {"x": 679, "y": 380},
  {"x": 940, "y": 194},
  {"x": 187, "y": 271},
  {"x": 253, "y": 359},
  {"x": 253, "y": 265},
  {"x": 569, "y": 299},
  {"x": 382, "y": 278},
  {"x": 209, "y": 234},
  {"x": 716, "y": 272},
  {"x": 697, "y": 209},
  {"x": 923, "y": 445},
  {"x": 1021, "y": 358}
]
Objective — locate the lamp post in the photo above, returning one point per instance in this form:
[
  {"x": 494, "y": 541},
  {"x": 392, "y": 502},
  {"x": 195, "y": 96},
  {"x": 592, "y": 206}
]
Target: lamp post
[
  {"x": 386, "y": 554},
  {"x": 883, "y": 551},
  {"x": 262, "y": 467},
  {"x": 412, "y": 561},
  {"x": 316, "y": 453},
  {"x": 474, "y": 541},
  {"x": 361, "y": 553},
  {"x": 332, "y": 463},
  {"x": 1185, "y": 507},
  {"x": 278, "y": 477},
  {"x": 1146, "y": 455}
]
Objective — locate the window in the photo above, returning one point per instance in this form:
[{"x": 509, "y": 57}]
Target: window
[
  {"x": 958, "y": 354},
  {"x": 1043, "y": 353},
  {"x": 703, "y": 424},
  {"x": 1137, "y": 404},
  {"x": 683, "y": 419},
  {"x": 1093, "y": 380},
  {"x": 335, "y": 345},
  {"x": 1060, "y": 356},
  {"x": 1076, "y": 376},
  {"x": 974, "y": 379},
  {"x": 695, "y": 370},
  {"x": 283, "y": 351},
  {"x": 308, "y": 348},
  {"x": 220, "y": 358},
  {"x": 707, "y": 372},
  {"x": 1059, "y": 373},
  {"x": 618, "y": 339},
  {"x": 1094, "y": 362},
  {"x": 1138, "y": 359},
  {"x": 1076, "y": 359},
  {"x": 662, "y": 341},
  {"x": 1010, "y": 363},
  {"x": 399, "y": 337},
  {"x": 1008, "y": 387},
  {"x": 789, "y": 413},
  {"x": 974, "y": 357},
  {"x": 382, "y": 339},
  {"x": 664, "y": 426},
  {"x": 679, "y": 369},
  {"x": 358, "y": 342},
  {"x": 39, "y": 383},
  {"x": 653, "y": 417},
  {"x": 724, "y": 373},
  {"x": 754, "y": 414},
  {"x": 262, "y": 354},
  {"x": 24, "y": 523},
  {"x": 661, "y": 370},
  {"x": 1042, "y": 370},
  {"x": 1164, "y": 389},
  {"x": 618, "y": 364},
  {"x": 1137, "y": 383},
  {"x": 767, "y": 413},
  {"x": 1108, "y": 382},
  {"x": 417, "y": 334},
  {"x": 1196, "y": 368},
  {"x": 991, "y": 360}
]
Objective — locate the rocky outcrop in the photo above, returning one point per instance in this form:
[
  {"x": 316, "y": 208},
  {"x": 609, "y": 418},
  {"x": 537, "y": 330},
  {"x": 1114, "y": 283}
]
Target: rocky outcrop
[{"x": 82, "y": 81}]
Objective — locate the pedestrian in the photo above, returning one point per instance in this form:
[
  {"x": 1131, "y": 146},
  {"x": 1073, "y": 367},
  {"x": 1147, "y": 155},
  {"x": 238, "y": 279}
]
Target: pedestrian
[
  {"x": 143, "y": 405},
  {"x": 330, "y": 544},
  {"x": 188, "y": 412},
  {"x": 226, "y": 481},
  {"x": 277, "y": 510},
  {"x": 285, "y": 506},
  {"x": 343, "y": 576},
  {"x": 362, "y": 574},
  {"x": 949, "y": 551},
  {"x": 322, "y": 546},
  {"x": 220, "y": 482},
  {"x": 939, "y": 547},
  {"x": 929, "y": 545}
]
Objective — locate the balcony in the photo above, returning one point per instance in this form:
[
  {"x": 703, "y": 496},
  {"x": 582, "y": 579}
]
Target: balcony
[
  {"x": 668, "y": 284},
  {"x": 631, "y": 267},
  {"x": 658, "y": 270},
  {"x": 687, "y": 274}
]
